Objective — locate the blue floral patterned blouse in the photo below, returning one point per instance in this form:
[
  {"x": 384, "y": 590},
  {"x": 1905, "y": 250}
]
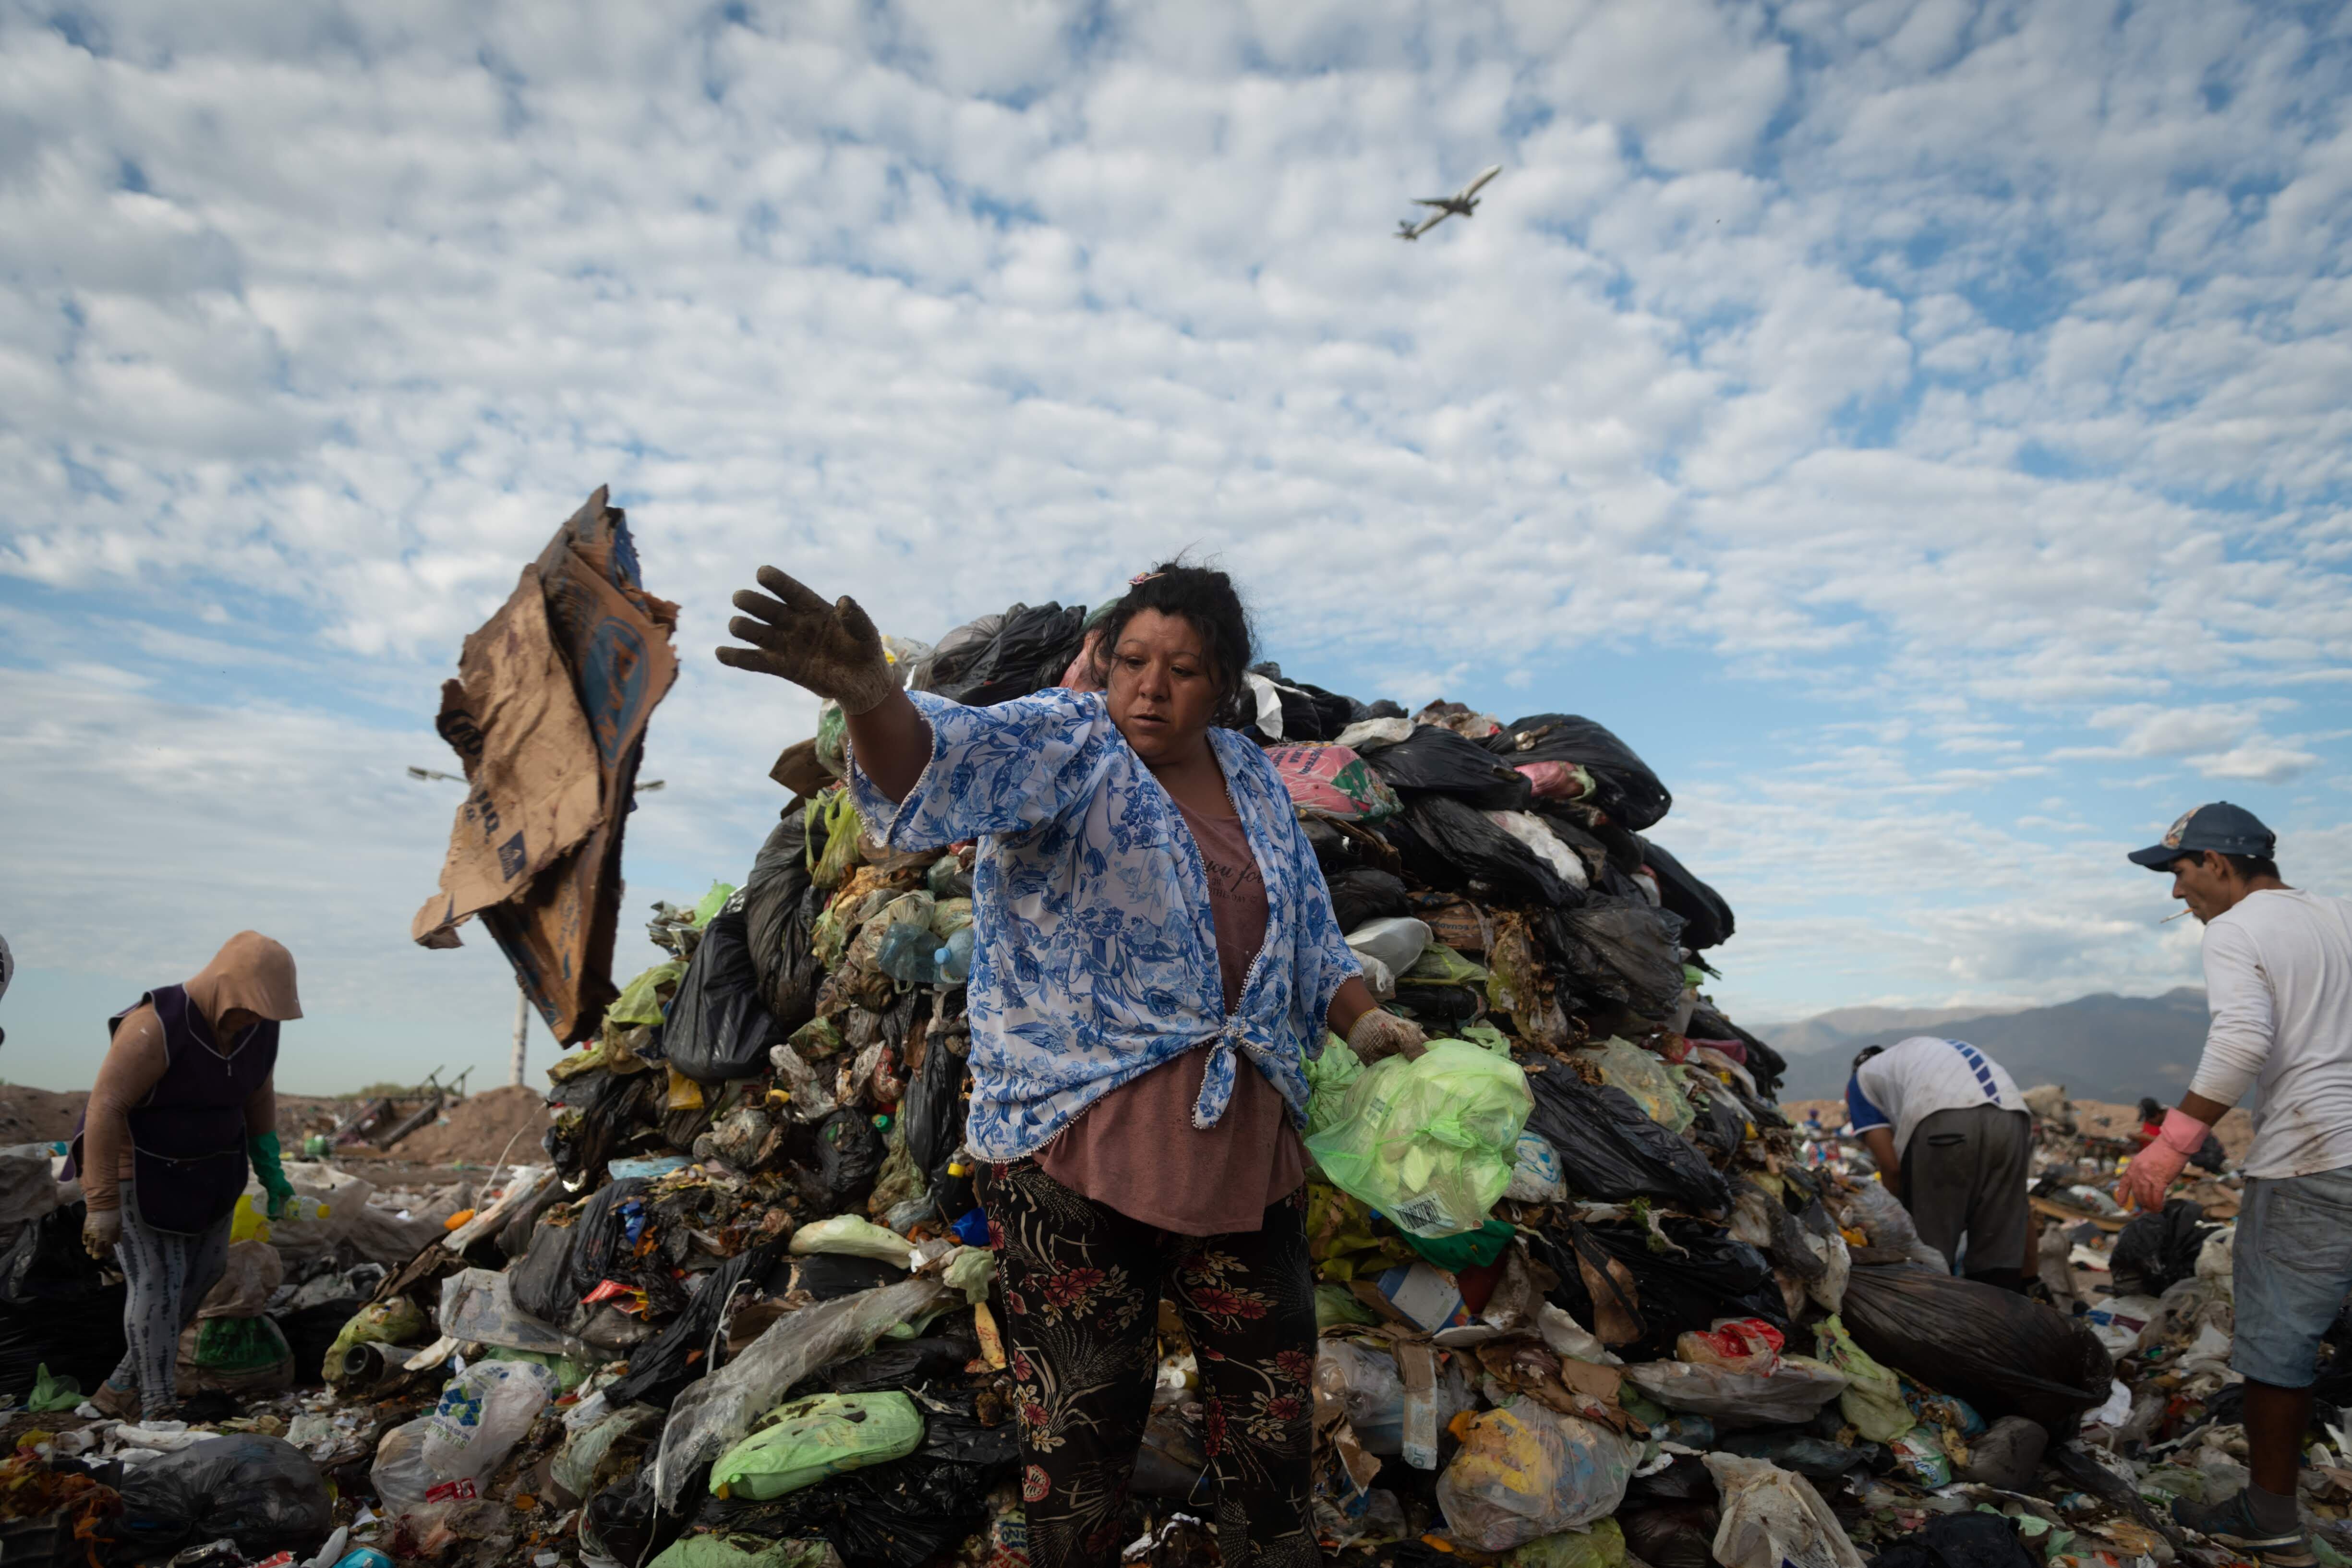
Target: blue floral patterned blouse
[{"x": 1095, "y": 952}]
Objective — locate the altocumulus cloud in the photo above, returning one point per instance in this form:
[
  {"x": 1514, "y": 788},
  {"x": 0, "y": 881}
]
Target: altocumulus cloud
[{"x": 1921, "y": 428}]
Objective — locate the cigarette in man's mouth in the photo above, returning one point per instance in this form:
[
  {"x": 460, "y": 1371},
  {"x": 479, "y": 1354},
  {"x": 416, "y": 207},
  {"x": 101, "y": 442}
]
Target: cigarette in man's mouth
[{"x": 2172, "y": 917}]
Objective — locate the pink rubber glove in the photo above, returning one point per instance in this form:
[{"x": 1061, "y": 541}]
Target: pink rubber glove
[{"x": 2155, "y": 1168}]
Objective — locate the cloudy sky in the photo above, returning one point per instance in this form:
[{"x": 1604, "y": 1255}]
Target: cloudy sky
[{"x": 1922, "y": 430}]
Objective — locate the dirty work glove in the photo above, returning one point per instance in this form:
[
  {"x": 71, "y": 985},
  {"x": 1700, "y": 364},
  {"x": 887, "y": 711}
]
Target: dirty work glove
[
  {"x": 1381, "y": 1033},
  {"x": 100, "y": 1229},
  {"x": 832, "y": 649},
  {"x": 2157, "y": 1167},
  {"x": 270, "y": 1173}
]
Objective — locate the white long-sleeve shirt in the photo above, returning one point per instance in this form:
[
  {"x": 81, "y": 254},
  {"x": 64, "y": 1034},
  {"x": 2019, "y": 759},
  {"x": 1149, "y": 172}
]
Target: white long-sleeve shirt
[{"x": 2278, "y": 983}]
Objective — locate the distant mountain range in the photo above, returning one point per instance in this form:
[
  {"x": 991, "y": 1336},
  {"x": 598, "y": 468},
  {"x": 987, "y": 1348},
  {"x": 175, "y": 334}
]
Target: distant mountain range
[{"x": 2107, "y": 1047}]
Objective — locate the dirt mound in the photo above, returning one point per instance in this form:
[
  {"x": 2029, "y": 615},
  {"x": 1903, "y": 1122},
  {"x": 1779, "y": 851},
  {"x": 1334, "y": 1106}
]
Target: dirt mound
[
  {"x": 476, "y": 1131},
  {"x": 38, "y": 1115}
]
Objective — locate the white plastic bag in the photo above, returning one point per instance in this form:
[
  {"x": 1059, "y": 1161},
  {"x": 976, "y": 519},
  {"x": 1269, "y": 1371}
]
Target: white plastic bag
[
  {"x": 479, "y": 1305},
  {"x": 399, "y": 1473},
  {"x": 484, "y": 1412},
  {"x": 1525, "y": 1472},
  {"x": 1395, "y": 940},
  {"x": 1536, "y": 1178},
  {"x": 1888, "y": 1225},
  {"x": 1790, "y": 1393},
  {"x": 1361, "y": 1383},
  {"x": 715, "y": 1411},
  {"x": 1773, "y": 1519}
]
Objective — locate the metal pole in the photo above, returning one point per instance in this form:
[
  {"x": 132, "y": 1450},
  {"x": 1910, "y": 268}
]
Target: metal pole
[{"x": 522, "y": 1032}]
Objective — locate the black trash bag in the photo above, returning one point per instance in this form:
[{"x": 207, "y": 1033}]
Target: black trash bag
[
  {"x": 1309, "y": 714},
  {"x": 1686, "y": 1479},
  {"x": 1028, "y": 653},
  {"x": 1611, "y": 1151},
  {"x": 776, "y": 924},
  {"x": 607, "y": 1107},
  {"x": 1707, "y": 917},
  {"x": 717, "y": 1026},
  {"x": 1437, "y": 760},
  {"x": 1362, "y": 894},
  {"x": 598, "y": 1241},
  {"x": 260, "y": 1492},
  {"x": 896, "y": 1515},
  {"x": 542, "y": 1279},
  {"x": 849, "y": 1155},
  {"x": 311, "y": 1333},
  {"x": 1716, "y": 1276},
  {"x": 2156, "y": 1251},
  {"x": 1622, "y": 785},
  {"x": 1671, "y": 1534},
  {"x": 1448, "y": 845},
  {"x": 625, "y": 1522},
  {"x": 933, "y": 1112},
  {"x": 1722, "y": 1125},
  {"x": 827, "y": 1275},
  {"x": 1618, "y": 950},
  {"x": 941, "y": 1354},
  {"x": 1820, "y": 1458},
  {"x": 1443, "y": 1005},
  {"x": 2004, "y": 1354},
  {"x": 658, "y": 1373},
  {"x": 1959, "y": 1541},
  {"x": 55, "y": 1307}
]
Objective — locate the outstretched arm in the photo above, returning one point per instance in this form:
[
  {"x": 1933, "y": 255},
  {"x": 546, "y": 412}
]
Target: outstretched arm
[{"x": 835, "y": 651}]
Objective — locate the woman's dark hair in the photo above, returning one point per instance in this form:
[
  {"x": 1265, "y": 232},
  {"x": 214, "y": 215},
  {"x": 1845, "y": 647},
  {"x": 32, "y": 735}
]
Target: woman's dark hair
[{"x": 1206, "y": 597}]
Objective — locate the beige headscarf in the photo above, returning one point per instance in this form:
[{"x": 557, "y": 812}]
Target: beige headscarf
[{"x": 249, "y": 971}]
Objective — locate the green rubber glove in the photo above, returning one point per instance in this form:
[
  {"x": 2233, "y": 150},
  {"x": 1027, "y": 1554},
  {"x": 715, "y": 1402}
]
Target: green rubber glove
[{"x": 268, "y": 1165}]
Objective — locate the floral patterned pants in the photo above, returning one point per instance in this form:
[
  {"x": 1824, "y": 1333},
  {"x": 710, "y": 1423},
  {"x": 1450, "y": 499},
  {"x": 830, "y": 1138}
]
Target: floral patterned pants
[{"x": 1081, "y": 1286}]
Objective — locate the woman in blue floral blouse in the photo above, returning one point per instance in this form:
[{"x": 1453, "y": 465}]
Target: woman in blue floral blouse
[{"x": 1156, "y": 957}]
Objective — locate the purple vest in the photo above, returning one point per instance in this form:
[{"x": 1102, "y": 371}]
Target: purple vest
[{"x": 188, "y": 1137}]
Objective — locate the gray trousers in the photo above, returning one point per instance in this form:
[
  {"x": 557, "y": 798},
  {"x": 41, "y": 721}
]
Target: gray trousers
[
  {"x": 169, "y": 1276},
  {"x": 1964, "y": 1174}
]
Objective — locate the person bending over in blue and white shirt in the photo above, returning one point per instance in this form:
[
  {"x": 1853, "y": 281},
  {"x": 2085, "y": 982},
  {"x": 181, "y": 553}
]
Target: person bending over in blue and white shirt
[
  {"x": 1953, "y": 1140},
  {"x": 1156, "y": 957}
]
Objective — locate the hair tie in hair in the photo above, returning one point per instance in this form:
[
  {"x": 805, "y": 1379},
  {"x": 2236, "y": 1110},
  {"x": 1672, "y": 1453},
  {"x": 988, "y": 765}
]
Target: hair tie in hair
[{"x": 1140, "y": 578}]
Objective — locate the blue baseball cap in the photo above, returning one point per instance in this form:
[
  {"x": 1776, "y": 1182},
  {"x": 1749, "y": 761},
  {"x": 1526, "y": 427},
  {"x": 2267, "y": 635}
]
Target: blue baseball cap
[{"x": 2224, "y": 828}]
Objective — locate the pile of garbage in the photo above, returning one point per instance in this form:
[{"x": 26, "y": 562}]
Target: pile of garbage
[{"x": 1586, "y": 1295}]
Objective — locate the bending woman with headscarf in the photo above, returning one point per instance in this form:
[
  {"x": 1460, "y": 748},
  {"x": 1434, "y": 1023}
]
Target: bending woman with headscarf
[{"x": 184, "y": 1100}]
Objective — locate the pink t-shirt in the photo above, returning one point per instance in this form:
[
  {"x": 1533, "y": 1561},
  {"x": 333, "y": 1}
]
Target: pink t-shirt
[{"x": 1136, "y": 1149}]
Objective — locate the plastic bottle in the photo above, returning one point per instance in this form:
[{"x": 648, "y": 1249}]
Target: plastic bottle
[
  {"x": 363, "y": 1557},
  {"x": 952, "y": 963},
  {"x": 908, "y": 955}
]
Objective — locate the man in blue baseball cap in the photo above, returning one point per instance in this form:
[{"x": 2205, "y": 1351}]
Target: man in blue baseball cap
[{"x": 2278, "y": 984}]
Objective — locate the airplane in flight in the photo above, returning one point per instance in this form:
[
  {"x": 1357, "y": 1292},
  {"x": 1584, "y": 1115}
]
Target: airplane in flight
[{"x": 1462, "y": 202}]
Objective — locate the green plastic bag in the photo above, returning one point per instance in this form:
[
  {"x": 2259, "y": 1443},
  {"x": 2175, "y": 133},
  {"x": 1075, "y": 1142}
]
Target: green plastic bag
[
  {"x": 569, "y": 1374},
  {"x": 234, "y": 1345},
  {"x": 1329, "y": 1077},
  {"x": 1470, "y": 1249},
  {"x": 744, "y": 1552},
  {"x": 832, "y": 738},
  {"x": 1644, "y": 1077},
  {"x": 640, "y": 1000},
  {"x": 1602, "y": 1546},
  {"x": 52, "y": 1395},
  {"x": 1873, "y": 1400},
  {"x": 399, "y": 1321},
  {"x": 836, "y": 815},
  {"x": 1441, "y": 966},
  {"x": 712, "y": 902},
  {"x": 1430, "y": 1143},
  {"x": 809, "y": 1439},
  {"x": 1486, "y": 1036}
]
